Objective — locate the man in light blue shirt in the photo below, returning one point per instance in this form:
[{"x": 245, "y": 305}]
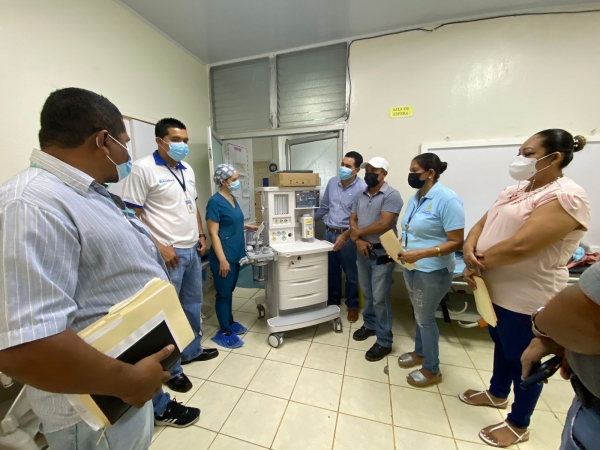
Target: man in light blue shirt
[
  {"x": 70, "y": 253},
  {"x": 336, "y": 206}
]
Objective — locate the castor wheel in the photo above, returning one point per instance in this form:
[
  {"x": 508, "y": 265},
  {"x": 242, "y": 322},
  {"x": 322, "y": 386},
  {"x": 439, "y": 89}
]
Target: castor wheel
[
  {"x": 337, "y": 325},
  {"x": 275, "y": 339},
  {"x": 261, "y": 311}
]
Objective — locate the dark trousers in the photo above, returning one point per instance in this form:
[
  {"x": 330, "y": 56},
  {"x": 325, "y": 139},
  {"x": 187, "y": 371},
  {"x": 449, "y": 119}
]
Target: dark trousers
[
  {"x": 512, "y": 336},
  {"x": 344, "y": 259},
  {"x": 224, "y": 298}
]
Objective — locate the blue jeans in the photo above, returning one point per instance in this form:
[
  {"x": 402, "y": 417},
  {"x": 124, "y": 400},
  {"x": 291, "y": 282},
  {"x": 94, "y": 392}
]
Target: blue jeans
[
  {"x": 512, "y": 336},
  {"x": 224, "y": 298},
  {"x": 187, "y": 280},
  {"x": 581, "y": 428},
  {"x": 375, "y": 282},
  {"x": 133, "y": 431},
  {"x": 344, "y": 259},
  {"x": 426, "y": 290}
]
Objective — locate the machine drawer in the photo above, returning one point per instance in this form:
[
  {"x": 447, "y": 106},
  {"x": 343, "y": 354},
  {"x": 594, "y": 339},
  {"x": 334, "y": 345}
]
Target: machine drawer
[
  {"x": 300, "y": 300},
  {"x": 304, "y": 285},
  {"x": 302, "y": 267}
]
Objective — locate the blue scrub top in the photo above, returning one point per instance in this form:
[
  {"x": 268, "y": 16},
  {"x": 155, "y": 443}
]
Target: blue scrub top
[
  {"x": 231, "y": 227},
  {"x": 439, "y": 211}
]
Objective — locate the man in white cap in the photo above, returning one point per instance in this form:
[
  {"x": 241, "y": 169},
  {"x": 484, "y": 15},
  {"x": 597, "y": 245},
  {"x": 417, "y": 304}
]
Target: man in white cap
[{"x": 375, "y": 212}]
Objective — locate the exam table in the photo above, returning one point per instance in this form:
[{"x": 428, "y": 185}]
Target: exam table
[{"x": 458, "y": 305}]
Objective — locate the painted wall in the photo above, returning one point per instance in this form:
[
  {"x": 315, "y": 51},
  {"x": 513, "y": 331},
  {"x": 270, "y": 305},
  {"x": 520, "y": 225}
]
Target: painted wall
[
  {"x": 494, "y": 79},
  {"x": 96, "y": 45}
]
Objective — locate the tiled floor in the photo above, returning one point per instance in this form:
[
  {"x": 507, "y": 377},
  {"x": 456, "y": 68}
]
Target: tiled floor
[{"x": 317, "y": 391}]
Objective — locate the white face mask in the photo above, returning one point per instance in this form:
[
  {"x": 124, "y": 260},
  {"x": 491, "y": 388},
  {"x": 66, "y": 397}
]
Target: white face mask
[{"x": 523, "y": 168}]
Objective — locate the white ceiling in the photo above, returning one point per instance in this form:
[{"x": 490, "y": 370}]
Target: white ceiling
[{"x": 223, "y": 30}]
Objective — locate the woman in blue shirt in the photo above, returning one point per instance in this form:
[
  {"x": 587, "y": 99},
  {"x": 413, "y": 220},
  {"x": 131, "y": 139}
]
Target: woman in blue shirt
[
  {"x": 225, "y": 222},
  {"x": 432, "y": 230}
]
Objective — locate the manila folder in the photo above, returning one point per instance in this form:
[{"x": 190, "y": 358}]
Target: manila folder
[
  {"x": 484, "y": 302},
  {"x": 132, "y": 330},
  {"x": 392, "y": 247}
]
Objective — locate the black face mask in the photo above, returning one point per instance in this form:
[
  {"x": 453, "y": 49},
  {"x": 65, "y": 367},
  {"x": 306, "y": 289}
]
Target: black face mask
[
  {"x": 414, "y": 180},
  {"x": 372, "y": 179}
]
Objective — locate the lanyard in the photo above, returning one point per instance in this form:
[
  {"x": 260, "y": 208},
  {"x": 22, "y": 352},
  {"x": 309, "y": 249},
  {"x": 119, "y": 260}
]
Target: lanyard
[
  {"x": 410, "y": 217},
  {"x": 181, "y": 183}
]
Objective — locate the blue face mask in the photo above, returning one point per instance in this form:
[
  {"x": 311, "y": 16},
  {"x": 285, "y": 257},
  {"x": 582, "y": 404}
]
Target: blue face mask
[
  {"x": 177, "y": 150},
  {"x": 345, "y": 173},
  {"x": 124, "y": 169},
  {"x": 235, "y": 185}
]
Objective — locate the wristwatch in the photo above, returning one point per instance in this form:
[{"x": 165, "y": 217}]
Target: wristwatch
[
  {"x": 202, "y": 236},
  {"x": 534, "y": 328}
]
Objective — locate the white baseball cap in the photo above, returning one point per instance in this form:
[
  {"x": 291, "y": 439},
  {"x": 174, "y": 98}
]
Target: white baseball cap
[{"x": 377, "y": 162}]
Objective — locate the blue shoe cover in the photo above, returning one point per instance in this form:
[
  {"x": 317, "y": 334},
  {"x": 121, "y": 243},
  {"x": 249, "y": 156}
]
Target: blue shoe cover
[
  {"x": 223, "y": 340},
  {"x": 238, "y": 328}
]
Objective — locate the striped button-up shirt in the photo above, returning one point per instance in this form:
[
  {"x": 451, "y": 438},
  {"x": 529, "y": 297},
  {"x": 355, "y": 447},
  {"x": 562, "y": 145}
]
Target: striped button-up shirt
[
  {"x": 68, "y": 255},
  {"x": 337, "y": 202}
]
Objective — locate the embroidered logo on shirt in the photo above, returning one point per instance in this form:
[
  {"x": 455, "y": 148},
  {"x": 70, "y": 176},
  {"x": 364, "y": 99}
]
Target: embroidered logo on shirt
[{"x": 165, "y": 180}]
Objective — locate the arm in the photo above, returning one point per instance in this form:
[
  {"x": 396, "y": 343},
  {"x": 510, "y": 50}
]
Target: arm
[
  {"x": 362, "y": 246},
  {"x": 381, "y": 226},
  {"x": 166, "y": 251},
  {"x": 65, "y": 364},
  {"x": 546, "y": 225},
  {"x": 202, "y": 249},
  {"x": 572, "y": 320},
  {"x": 324, "y": 206},
  {"x": 213, "y": 231},
  {"x": 453, "y": 244}
]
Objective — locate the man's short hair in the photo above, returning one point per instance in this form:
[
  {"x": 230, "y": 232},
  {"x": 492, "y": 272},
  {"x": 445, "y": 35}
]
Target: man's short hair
[
  {"x": 162, "y": 126},
  {"x": 71, "y": 115},
  {"x": 358, "y": 159}
]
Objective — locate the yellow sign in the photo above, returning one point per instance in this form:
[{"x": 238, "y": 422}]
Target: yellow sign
[{"x": 401, "y": 111}]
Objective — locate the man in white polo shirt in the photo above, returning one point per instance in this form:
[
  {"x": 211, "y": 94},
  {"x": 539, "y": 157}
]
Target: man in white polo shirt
[{"x": 161, "y": 189}]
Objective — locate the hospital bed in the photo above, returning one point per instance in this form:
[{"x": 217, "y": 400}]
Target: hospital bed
[{"x": 458, "y": 305}]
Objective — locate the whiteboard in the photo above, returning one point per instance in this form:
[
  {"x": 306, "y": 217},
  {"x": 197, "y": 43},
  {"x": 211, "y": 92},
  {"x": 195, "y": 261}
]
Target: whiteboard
[
  {"x": 142, "y": 138},
  {"x": 478, "y": 172}
]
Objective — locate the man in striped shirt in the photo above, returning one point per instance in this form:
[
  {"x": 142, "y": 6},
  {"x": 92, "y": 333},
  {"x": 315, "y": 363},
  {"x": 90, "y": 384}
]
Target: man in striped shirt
[{"x": 69, "y": 253}]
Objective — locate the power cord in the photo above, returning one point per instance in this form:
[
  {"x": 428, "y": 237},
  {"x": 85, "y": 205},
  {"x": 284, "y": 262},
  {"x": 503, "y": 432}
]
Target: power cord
[{"x": 456, "y": 22}]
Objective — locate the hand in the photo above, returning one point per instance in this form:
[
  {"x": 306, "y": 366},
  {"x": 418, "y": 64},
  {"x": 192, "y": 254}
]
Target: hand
[
  {"x": 340, "y": 242},
  {"x": 468, "y": 275},
  {"x": 202, "y": 246},
  {"x": 251, "y": 227},
  {"x": 224, "y": 268},
  {"x": 538, "y": 348},
  {"x": 565, "y": 369},
  {"x": 168, "y": 254},
  {"x": 148, "y": 377},
  {"x": 354, "y": 234},
  {"x": 410, "y": 257},
  {"x": 363, "y": 247},
  {"x": 472, "y": 258}
]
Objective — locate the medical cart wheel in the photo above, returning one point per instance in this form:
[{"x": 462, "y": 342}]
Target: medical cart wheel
[
  {"x": 275, "y": 340},
  {"x": 337, "y": 325},
  {"x": 261, "y": 311}
]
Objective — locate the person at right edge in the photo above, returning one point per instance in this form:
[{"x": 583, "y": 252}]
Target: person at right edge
[
  {"x": 432, "y": 230},
  {"x": 569, "y": 326},
  {"x": 521, "y": 246},
  {"x": 375, "y": 212}
]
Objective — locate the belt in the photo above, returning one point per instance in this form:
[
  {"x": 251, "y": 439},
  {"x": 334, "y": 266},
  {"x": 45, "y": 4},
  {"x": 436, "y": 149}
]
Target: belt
[
  {"x": 336, "y": 230},
  {"x": 377, "y": 246},
  {"x": 585, "y": 397}
]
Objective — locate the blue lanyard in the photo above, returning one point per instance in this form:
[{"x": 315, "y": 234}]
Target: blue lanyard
[
  {"x": 181, "y": 183},
  {"x": 410, "y": 217}
]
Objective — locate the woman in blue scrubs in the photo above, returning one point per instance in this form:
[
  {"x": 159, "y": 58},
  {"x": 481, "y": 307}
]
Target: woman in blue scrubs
[
  {"x": 225, "y": 222},
  {"x": 432, "y": 230}
]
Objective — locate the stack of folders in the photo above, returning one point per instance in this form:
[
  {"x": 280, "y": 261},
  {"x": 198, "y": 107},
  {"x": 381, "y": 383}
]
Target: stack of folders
[{"x": 133, "y": 330}]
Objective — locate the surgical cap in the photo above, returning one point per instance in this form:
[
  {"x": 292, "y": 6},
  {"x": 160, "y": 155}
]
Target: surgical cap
[{"x": 223, "y": 172}]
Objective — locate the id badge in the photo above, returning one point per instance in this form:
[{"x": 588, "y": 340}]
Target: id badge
[{"x": 190, "y": 206}]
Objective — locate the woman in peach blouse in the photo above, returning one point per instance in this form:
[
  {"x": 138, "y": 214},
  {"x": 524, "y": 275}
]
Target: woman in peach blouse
[{"x": 521, "y": 246}]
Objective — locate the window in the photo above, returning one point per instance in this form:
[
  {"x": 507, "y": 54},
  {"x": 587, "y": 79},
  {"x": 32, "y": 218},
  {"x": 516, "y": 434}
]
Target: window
[
  {"x": 240, "y": 95},
  {"x": 308, "y": 88},
  {"x": 311, "y": 86}
]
